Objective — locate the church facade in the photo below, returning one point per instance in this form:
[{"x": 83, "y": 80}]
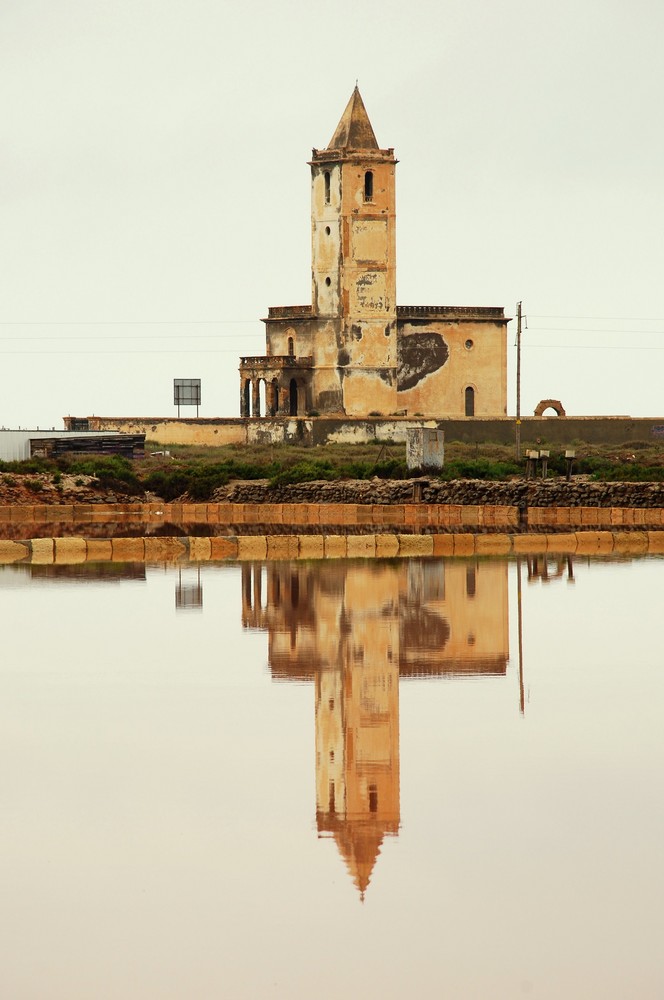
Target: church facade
[{"x": 354, "y": 352}]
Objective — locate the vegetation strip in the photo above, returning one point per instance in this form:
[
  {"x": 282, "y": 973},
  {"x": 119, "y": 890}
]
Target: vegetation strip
[{"x": 199, "y": 473}]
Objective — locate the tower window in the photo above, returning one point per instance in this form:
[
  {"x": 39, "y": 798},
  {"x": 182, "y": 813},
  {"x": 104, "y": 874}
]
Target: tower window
[
  {"x": 327, "y": 230},
  {"x": 470, "y": 401},
  {"x": 368, "y": 185},
  {"x": 291, "y": 348},
  {"x": 327, "y": 187},
  {"x": 328, "y": 282}
]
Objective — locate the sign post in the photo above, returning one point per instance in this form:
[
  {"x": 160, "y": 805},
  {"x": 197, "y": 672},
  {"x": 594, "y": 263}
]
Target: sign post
[{"x": 187, "y": 392}]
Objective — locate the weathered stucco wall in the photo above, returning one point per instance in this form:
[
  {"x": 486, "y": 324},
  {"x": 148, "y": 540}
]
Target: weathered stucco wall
[
  {"x": 318, "y": 430},
  {"x": 440, "y": 359}
]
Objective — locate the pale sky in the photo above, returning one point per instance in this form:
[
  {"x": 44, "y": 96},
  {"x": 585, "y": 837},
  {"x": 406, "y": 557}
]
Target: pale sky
[{"x": 155, "y": 187}]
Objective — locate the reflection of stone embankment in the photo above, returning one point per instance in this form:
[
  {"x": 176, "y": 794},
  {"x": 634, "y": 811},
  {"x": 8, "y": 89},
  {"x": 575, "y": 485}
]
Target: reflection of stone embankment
[{"x": 315, "y": 518}]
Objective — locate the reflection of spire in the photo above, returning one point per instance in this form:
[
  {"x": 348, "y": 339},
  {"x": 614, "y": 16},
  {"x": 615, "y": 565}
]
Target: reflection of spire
[{"x": 359, "y": 846}]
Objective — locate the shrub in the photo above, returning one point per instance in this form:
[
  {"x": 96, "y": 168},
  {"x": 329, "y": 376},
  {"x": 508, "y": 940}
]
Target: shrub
[
  {"x": 479, "y": 468},
  {"x": 112, "y": 472}
]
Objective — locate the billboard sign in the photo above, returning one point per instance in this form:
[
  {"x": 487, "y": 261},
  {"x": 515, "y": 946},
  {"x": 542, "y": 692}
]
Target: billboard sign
[{"x": 187, "y": 392}]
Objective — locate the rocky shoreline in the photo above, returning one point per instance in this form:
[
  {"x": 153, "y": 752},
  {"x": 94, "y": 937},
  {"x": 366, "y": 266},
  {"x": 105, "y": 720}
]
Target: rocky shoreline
[
  {"x": 38, "y": 490},
  {"x": 580, "y": 492}
]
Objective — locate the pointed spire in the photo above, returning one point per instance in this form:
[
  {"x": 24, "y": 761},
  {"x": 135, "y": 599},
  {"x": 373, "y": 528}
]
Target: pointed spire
[{"x": 354, "y": 130}]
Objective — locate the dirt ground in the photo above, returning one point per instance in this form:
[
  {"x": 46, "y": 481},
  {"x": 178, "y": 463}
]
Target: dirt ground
[{"x": 44, "y": 488}]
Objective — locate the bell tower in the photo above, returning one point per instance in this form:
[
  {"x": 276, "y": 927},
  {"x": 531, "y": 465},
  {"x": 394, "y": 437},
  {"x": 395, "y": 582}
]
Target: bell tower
[{"x": 353, "y": 223}]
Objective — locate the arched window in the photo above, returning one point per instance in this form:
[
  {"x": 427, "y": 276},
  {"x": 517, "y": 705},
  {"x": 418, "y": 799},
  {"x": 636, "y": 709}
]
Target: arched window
[
  {"x": 293, "y": 397},
  {"x": 368, "y": 185},
  {"x": 470, "y": 401},
  {"x": 291, "y": 348},
  {"x": 326, "y": 175}
]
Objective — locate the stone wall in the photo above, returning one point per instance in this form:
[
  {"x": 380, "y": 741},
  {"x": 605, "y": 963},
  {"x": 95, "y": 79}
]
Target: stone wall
[
  {"x": 519, "y": 493},
  {"x": 555, "y": 431}
]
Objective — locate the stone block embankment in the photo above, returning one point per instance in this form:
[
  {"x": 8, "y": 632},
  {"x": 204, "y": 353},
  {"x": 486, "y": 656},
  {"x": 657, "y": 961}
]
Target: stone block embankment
[
  {"x": 363, "y": 515},
  {"x": 253, "y": 548}
]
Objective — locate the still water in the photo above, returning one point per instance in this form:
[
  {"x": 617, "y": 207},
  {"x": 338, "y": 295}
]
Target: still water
[{"x": 359, "y": 779}]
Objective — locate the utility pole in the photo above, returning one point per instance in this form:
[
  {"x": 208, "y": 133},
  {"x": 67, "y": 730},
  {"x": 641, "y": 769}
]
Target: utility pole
[
  {"x": 518, "y": 381},
  {"x": 522, "y": 696}
]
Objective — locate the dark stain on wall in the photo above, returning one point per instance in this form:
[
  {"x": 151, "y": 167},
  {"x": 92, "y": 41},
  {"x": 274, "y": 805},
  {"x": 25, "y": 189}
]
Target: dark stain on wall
[
  {"x": 330, "y": 401},
  {"x": 344, "y": 358},
  {"x": 419, "y": 355},
  {"x": 356, "y": 331}
]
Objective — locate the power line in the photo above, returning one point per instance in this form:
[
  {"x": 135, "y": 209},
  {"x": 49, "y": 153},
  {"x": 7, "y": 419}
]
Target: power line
[
  {"x": 138, "y": 336},
  {"x": 590, "y": 347},
  {"x": 125, "y": 322},
  {"x": 605, "y": 319},
  {"x": 118, "y": 354},
  {"x": 585, "y": 329}
]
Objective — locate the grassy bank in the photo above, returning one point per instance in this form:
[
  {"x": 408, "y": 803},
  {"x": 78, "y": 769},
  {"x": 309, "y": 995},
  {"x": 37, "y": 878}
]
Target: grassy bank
[{"x": 197, "y": 471}]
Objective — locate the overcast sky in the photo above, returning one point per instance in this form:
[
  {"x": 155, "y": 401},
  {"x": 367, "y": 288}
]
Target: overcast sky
[{"x": 155, "y": 187}]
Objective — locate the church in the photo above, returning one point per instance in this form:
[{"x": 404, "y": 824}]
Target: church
[{"x": 353, "y": 351}]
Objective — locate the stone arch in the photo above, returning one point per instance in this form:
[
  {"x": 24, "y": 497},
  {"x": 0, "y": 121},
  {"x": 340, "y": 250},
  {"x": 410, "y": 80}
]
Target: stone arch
[{"x": 550, "y": 404}]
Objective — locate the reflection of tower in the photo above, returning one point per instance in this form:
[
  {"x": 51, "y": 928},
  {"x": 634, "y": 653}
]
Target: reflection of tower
[
  {"x": 355, "y": 629},
  {"x": 357, "y": 735}
]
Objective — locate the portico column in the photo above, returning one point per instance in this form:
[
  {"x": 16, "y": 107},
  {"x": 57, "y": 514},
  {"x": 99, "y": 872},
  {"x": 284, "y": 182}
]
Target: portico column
[{"x": 255, "y": 398}]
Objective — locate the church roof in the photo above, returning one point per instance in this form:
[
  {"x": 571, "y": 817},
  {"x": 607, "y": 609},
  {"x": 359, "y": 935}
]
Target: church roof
[{"x": 354, "y": 130}]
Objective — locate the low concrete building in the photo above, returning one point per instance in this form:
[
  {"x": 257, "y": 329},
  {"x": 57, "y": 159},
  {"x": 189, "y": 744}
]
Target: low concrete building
[
  {"x": 19, "y": 445},
  {"x": 354, "y": 352}
]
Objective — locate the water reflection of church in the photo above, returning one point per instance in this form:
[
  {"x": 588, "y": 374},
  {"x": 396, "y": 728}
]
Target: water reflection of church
[{"x": 355, "y": 629}]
